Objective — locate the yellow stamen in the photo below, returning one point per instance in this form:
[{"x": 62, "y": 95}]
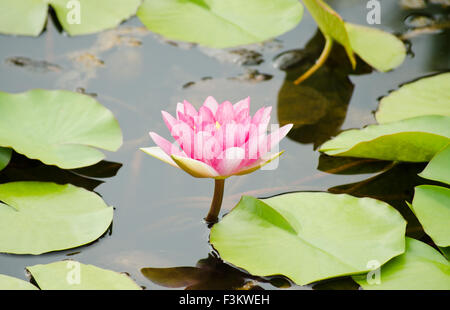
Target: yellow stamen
[{"x": 217, "y": 125}]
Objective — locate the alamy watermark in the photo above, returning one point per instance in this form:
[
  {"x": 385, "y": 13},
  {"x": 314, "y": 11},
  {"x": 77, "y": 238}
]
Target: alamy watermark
[
  {"x": 374, "y": 275},
  {"x": 374, "y": 14},
  {"x": 74, "y": 14},
  {"x": 73, "y": 276}
]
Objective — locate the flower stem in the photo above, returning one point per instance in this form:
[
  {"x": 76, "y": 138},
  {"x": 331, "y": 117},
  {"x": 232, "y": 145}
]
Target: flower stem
[
  {"x": 216, "y": 202},
  {"x": 323, "y": 57}
]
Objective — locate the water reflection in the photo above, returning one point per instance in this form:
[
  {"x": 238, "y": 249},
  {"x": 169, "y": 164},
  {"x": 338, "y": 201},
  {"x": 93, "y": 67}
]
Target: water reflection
[
  {"x": 211, "y": 273},
  {"x": 318, "y": 106},
  {"x": 208, "y": 274},
  {"x": 22, "y": 168},
  {"x": 394, "y": 186}
]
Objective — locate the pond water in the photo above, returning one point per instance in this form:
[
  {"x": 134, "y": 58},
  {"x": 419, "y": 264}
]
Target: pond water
[{"x": 136, "y": 74}]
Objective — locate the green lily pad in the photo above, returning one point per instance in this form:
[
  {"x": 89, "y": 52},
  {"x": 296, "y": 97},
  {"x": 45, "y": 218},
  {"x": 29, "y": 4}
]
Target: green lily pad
[
  {"x": 40, "y": 217},
  {"x": 309, "y": 236},
  {"x": 395, "y": 187},
  {"x": 331, "y": 24},
  {"x": 5, "y": 157},
  {"x": 378, "y": 48},
  {"x": 233, "y": 22},
  {"x": 431, "y": 205},
  {"x": 94, "y": 16},
  {"x": 426, "y": 96},
  {"x": 11, "y": 283},
  {"x": 412, "y": 140},
  {"x": 438, "y": 169},
  {"x": 58, "y": 127},
  {"x": 72, "y": 275},
  {"x": 420, "y": 268}
]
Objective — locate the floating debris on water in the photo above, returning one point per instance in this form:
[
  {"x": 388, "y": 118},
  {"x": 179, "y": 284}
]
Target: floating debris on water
[
  {"x": 241, "y": 56},
  {"x": 88, "y": 60},
  {"x": 188, "y": 84},
  {"x": 40, "y": 66},
  {"x": 419, "y": 21},
  {"x": 252, "y": 75},
  {"x": 288, "y": 59},
  {"x": 412, "y": 4},
  {"x": 82, "y": 90}
]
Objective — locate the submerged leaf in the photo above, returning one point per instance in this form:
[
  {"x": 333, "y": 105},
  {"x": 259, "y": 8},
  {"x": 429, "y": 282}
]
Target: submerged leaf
[
  {"x": 412, "y": 140},
  {"x": 58, "y": 127},
  {"x": 11, "y": 283},
  {"x": 431, "y": 205},
  {"x": 40, "y": 217},
  {"x": 420, "y": 268},
  {"x": 76, "y": 17},
  {"x": 72, "y": 275},
  {"x": 233, "y": 22},
  {"x": 309, "y": 236},
  {"x": 429, "y": 95}
]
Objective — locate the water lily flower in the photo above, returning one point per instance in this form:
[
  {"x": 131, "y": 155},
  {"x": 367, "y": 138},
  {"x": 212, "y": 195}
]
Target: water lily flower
[{"x": 217, "y": 141}]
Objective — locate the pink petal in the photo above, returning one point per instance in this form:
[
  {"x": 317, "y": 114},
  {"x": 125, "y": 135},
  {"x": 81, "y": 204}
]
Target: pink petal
[
  {"x": 241, "y": 116},
  {"x": 199, "y": 142},
  {"x": 230, "y": 162},
  {"x": 211, "y": 104},
  {"x": 225, "y": 113},
  {"x": 257, "y": 164},
  {"x": 189, "y": 109},
  {"x": 169, "y": 120},
  {"x": 211, "y": 149},
  {"x": 184, "y": 135},
  {"x": 165, "y": 145},
  {"x": 186, "y": 119},
  {"x": 262, "y": 118},
  {"x": 205, "y": 116},
  {"x": 242, "y": 106},
  {"x": 180, "y": 108},
  {"x": 275, "y": 137}
]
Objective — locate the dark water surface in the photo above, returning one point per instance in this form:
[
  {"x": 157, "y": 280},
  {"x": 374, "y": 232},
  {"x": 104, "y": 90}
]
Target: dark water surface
[{"x": 159, "y": 209}]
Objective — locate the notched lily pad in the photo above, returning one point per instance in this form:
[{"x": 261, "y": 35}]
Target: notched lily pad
[
  {"x": 438, "y": 169},
  {"x": 378, "y": 48},
  {"x": 426, "y": 96},
  {"x": 76, "y": 17},
  {"x": 233, "y": 22},
  {"x": 309, "y": 236},
  {"x": 431, "y": 205},
  {"x": 412, "y": 140},
  {"x": 420, "y": 268},
  {"x": 40, "y": 217},
  {"x": 11, "y": 283},
  {"x": 72, "y": 275},
  {"x": 57, "y": 127}
]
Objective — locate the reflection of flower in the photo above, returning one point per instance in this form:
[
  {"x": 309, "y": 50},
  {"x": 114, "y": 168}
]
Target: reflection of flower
[{"x": 219, "y": 140}]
